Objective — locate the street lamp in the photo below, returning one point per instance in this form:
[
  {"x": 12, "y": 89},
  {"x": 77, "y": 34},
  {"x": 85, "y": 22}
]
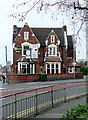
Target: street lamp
[{"x": 74, "y": 64}]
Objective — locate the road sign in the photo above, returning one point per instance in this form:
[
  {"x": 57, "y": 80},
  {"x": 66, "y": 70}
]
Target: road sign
[{"x": 8, "y": 66}]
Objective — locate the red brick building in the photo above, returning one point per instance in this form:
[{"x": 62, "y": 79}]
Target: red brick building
[{"x": 42, "y": 50}]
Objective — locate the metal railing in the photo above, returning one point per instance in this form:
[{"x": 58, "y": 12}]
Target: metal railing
[{"x": 39, "y": 100}]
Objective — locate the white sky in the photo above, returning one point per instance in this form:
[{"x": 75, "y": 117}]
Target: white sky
[{"x": 34, "y": 20}]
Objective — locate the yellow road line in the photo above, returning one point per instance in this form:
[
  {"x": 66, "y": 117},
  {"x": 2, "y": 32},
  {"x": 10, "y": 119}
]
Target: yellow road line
[{"x": 39, "y": 106}]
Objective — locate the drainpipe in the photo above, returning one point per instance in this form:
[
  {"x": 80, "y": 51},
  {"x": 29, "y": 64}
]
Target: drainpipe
[
  {"x": 43, "y": 59},
  {"x": 62, "y": 58}
]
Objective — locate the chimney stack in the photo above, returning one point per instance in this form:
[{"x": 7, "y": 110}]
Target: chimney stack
[
  {"x": 65, "y": 28},
  {"x": 14, "y": 29}
]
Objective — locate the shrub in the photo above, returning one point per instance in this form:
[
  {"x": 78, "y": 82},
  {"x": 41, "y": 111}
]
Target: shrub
[
  {"x": 84, "y": 70},
  {"x": 79, "y": 111}
]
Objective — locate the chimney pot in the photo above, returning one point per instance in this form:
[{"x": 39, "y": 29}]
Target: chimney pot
[
  {"x": 65, "y": 28},
  {"x": 14, "y": 29}
]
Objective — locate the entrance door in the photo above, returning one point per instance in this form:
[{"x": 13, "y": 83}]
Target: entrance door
[
  {"x": 41, "y": 69},
  {"x": 64, "y": 70}
]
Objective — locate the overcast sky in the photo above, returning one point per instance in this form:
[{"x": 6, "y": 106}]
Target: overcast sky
[{"x": 34, "y": 20}]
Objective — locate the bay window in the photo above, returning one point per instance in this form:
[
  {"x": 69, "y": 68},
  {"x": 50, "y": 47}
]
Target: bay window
[
  {"x": 48, "y": 68},
  {"x": 25, "y": 67},
  {"x": 53, "y": 67},
  {"x": 57, "y": 69}
]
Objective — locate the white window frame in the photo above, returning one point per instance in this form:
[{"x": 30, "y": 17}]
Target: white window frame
[
  {"x": 52, "y": 38},
  {"x": 31, "y": 67},
  {"x": 51, "y": 50},
  {"x": 25, "y": 44},
  {"x": 50, "y": 68},
  {"x": 26, "y": 36},
  {"x": 70, "y": 69},
  {"x": 25, "y": 49},
  {"x": 46, "y": 42},
  {"x": 20, "y": 68},
  {"x": 57, "y": 68}
]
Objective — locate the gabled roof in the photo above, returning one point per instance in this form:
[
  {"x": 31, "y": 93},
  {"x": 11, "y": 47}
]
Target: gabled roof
[
  {"x": 17, "y": 32},
  {"x": 42, "y": 34}
]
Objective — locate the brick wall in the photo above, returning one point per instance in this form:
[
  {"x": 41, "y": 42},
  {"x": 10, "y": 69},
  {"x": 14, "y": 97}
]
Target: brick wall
[
  {"x": 78, "y": 69},
  {"x": 15, "y": 78},
  {"x": 60, "y": 76},
  {"x": 70, "y": 52},
  {"x": 64, "y": 56}
]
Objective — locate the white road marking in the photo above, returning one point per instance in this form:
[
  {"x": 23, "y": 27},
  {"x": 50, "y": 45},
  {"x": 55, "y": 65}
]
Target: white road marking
[{"x": 2, "y": 88}]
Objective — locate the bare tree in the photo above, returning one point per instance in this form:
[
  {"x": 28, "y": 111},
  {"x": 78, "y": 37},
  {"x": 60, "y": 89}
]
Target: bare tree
[
  {"x": 54, "y": 6},
  {"x": 75, "y": 10}
]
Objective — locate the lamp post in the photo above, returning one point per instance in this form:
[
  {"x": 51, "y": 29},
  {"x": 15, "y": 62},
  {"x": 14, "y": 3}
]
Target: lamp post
[
  {"x": 6, "y": 63},
  {"x": 74, "y": 46},
  {"x": 74, "y": 64}
]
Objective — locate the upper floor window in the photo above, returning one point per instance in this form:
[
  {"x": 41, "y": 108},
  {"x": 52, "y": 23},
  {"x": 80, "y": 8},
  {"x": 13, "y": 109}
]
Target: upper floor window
[
  {"x": 52, "y": 38},
  {"x": 25, "y": 48},
  {"x": 26, "y": 35},
  {"x": 52, "y": 51},
  {"x": 26, "y": 51}
]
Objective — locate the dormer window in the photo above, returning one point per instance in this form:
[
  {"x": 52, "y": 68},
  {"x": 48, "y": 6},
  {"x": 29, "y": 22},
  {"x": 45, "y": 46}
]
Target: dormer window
[
  {"x": 26, "y": 36},
  {"x": 52, "y": 38}
]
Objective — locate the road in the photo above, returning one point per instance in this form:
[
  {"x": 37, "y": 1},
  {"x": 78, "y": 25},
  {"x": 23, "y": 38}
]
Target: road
[
  {"x": 42, "y": 98},
  {"x": 11, "y": 87},
  {"x": 7, "y": 89}
]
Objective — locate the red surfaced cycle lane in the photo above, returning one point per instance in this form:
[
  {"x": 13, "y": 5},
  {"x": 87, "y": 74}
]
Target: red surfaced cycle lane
[{"x": 40, "y": 89}]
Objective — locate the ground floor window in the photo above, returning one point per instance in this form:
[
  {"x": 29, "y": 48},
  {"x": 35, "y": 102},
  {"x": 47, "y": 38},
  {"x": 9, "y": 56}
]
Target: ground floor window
[
  {"x": 24, "y": 67},
  {"x": 57, "y": 68},
  {"x": 70, "y": 69},
  {"x": 48, "y": 68},
  {"x": 53, "y": 68}
]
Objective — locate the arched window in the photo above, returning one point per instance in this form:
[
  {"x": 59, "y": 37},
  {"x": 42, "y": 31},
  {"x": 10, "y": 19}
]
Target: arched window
[{"x": 52, "y": 39}]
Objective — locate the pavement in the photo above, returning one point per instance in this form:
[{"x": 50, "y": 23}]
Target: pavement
[
  {"x": 61, "y": 110},
  {"x": 9, "y": 87}
]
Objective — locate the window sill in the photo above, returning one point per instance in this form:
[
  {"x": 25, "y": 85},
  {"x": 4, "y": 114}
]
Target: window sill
[{"x": 52, "y": 55}]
